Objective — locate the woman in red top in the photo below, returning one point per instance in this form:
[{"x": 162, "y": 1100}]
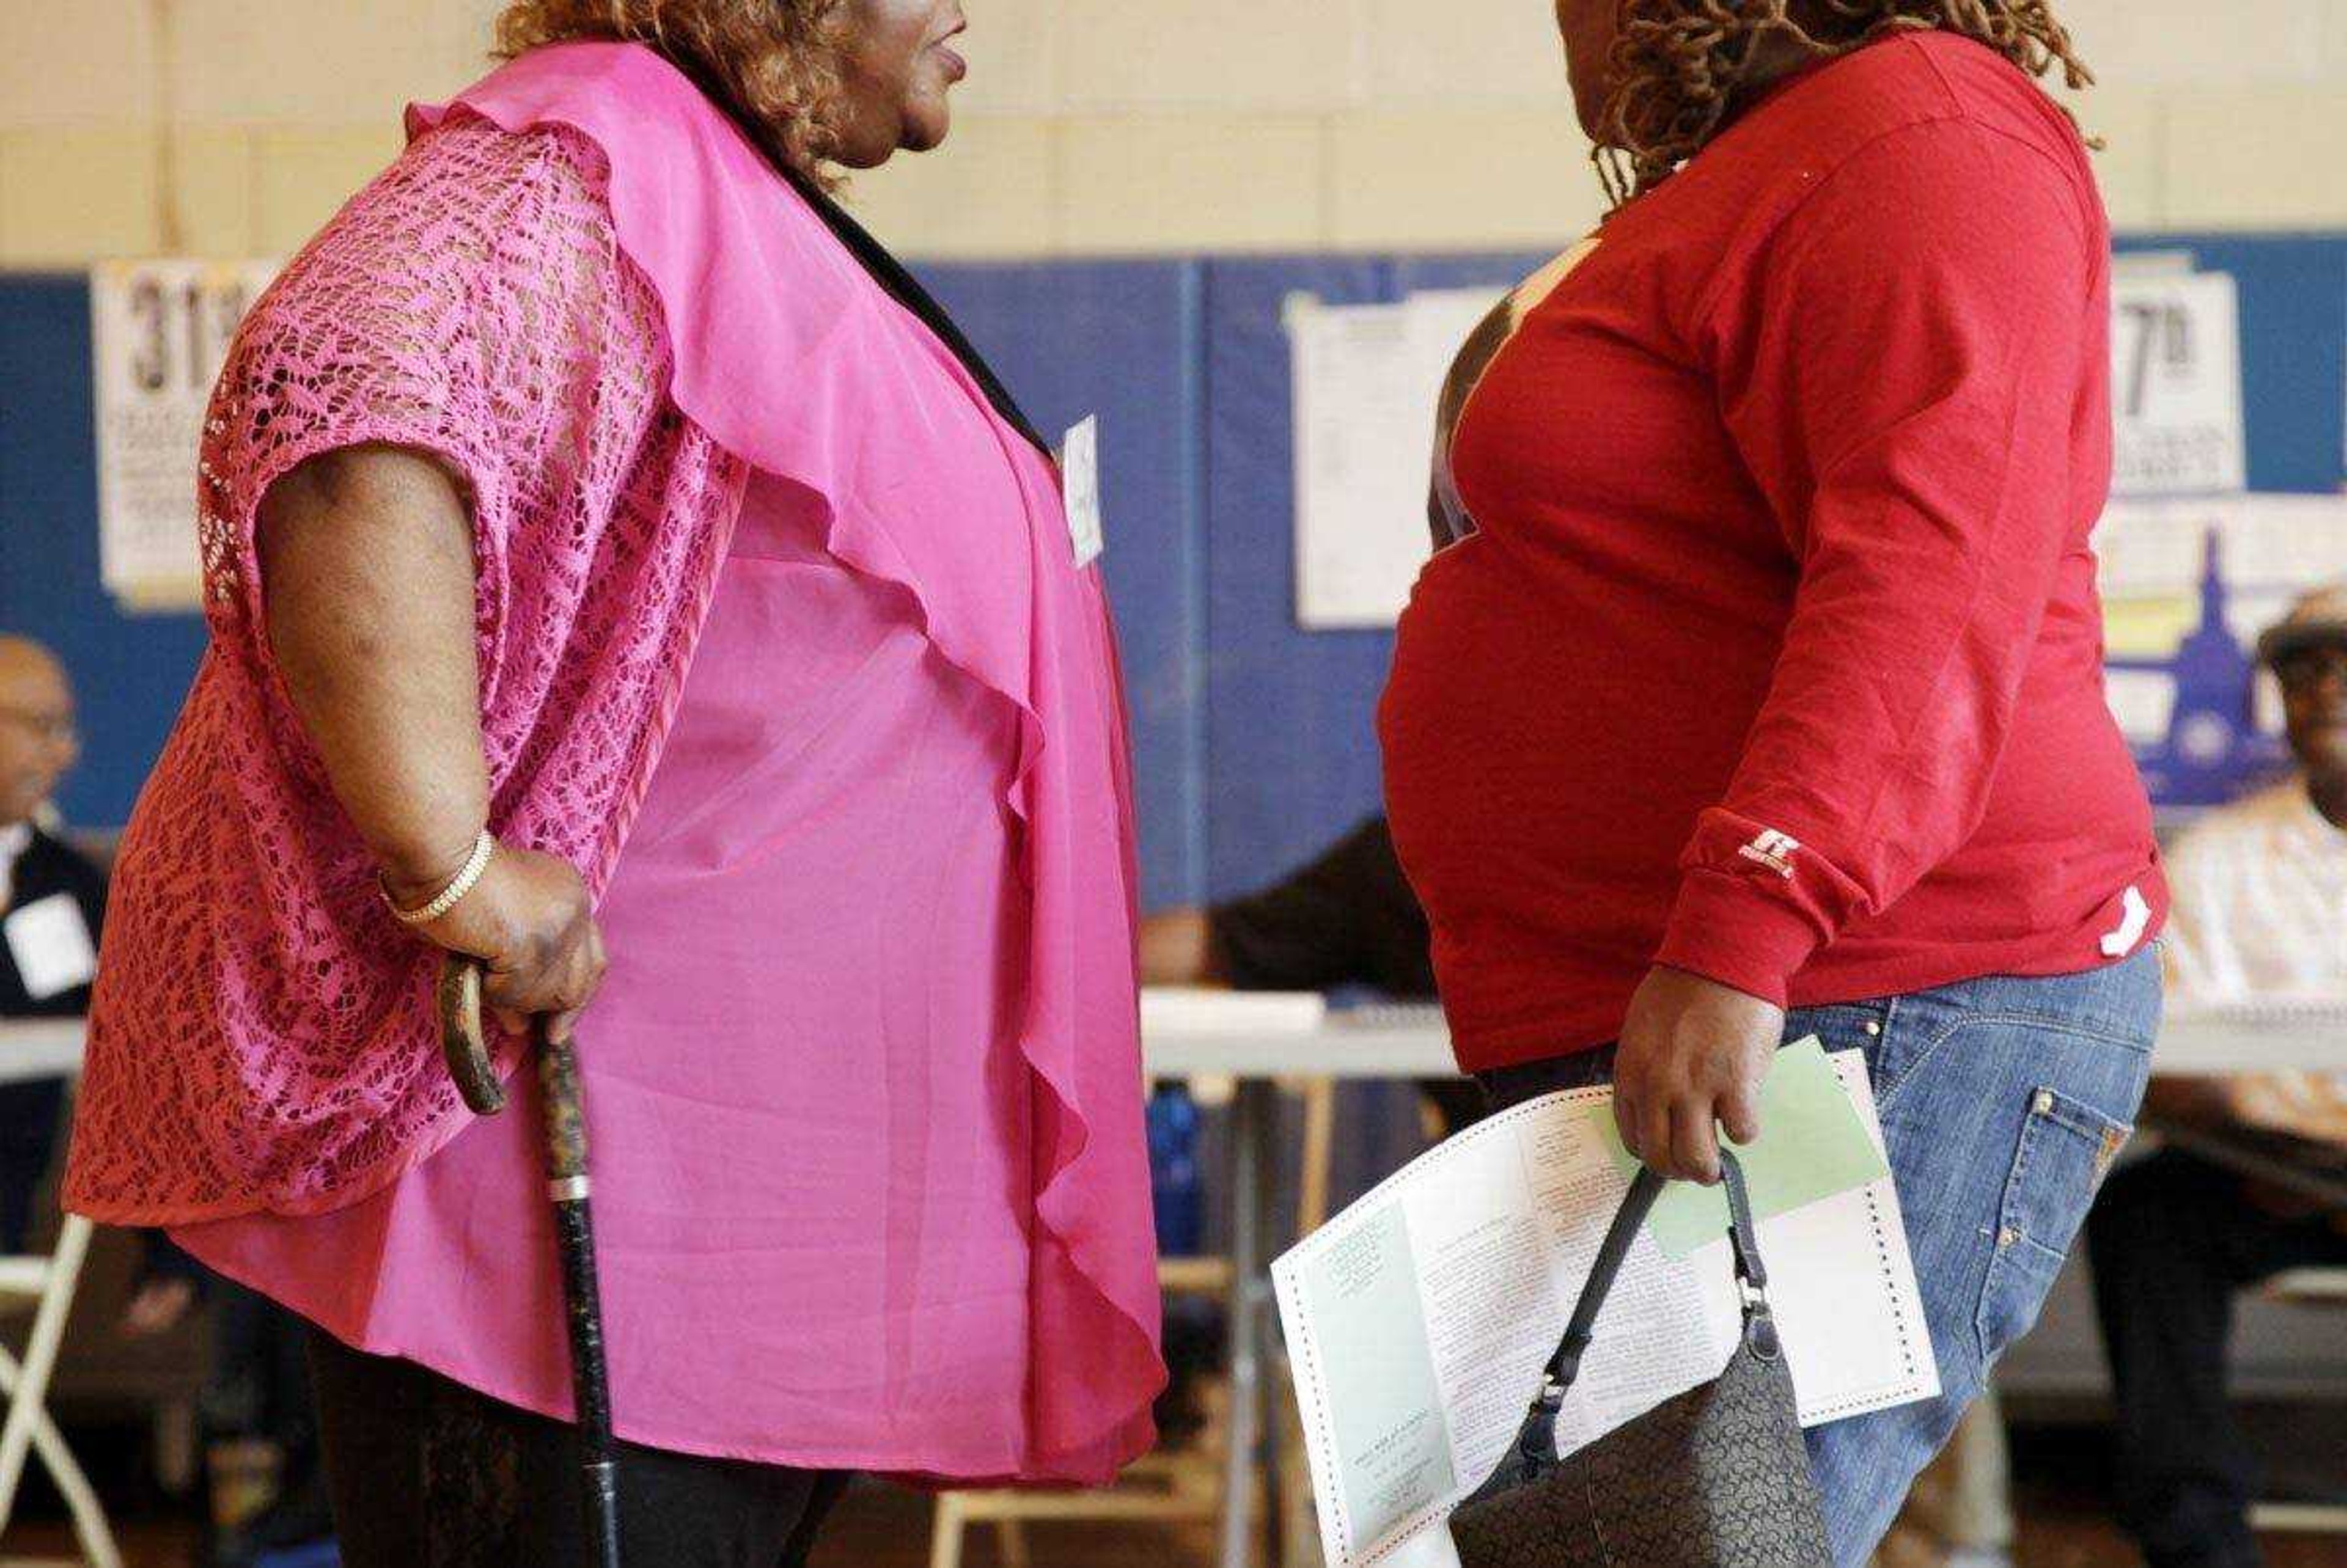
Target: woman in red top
[{"x": 1765, "y": 671}]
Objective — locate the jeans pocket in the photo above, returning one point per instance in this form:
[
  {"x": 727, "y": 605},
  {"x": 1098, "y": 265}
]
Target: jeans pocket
[{"x": 2065, "y": 1150}]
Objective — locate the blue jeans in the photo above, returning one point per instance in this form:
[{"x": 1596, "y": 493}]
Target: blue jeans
[{"x": 2004, "y": 1101}]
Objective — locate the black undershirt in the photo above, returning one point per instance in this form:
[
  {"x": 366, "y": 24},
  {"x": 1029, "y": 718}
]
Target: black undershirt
[
  {"x": 885, "y": 269},
  {"x": 1347, "y": 918}
]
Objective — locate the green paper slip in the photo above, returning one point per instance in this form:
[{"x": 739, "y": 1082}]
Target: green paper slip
[{"x": 1812, "y": 1145}]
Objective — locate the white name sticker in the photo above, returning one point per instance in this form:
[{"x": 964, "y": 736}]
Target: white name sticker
[
  {"x": 1080, "y": 489},
  {"x": 50, "y": 942}
]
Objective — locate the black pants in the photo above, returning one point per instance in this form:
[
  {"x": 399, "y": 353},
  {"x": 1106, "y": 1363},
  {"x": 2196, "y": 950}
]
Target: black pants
[
  {"x": 427, "y": 1474},
  {"x": 2172, "y": 1240},
  {"x": 259, "y": 1388},
  {"x": 29, "y": 1115}
]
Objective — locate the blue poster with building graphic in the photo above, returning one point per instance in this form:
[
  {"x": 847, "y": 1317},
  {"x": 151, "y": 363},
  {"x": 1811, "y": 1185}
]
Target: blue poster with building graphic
[
  {"x": 2230, "y": 380},
  {"x": 2186, "y": 588}
]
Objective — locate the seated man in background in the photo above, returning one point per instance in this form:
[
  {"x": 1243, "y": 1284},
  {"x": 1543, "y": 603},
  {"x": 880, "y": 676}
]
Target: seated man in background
[
  {"x": 52, "y": 902},
  {"x": 2261, "y": 911}
]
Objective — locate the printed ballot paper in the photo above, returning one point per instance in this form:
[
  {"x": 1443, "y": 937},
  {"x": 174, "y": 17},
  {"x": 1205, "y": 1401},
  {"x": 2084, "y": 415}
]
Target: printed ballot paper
[{"x": 1417, "y": 1321}]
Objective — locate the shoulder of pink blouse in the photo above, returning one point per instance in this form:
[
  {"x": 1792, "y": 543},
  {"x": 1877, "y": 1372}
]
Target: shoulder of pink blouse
[{"x": 262, "y": 1033}]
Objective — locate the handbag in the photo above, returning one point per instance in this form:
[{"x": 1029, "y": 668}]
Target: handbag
[{"x": 1717, "y": 1477}]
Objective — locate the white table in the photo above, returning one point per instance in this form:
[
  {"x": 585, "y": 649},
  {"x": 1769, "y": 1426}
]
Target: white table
[
  {"x": 1412, "y": 1043},
  {"x": 2261, "y": 1041},
  {"x": 40, "y": 1048},
  {"x": 1408, "y": 1043}
]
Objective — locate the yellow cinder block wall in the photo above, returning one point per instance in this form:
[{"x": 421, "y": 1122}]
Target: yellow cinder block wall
[{"x": 1089, "y": 127}]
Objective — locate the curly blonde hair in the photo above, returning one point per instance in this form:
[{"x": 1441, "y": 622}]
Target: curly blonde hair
[
  {"x": 1678, "y": 64},
  {"x": 774, "y": 63}
]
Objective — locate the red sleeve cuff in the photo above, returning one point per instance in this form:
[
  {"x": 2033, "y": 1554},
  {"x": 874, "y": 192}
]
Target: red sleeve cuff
[{"x": 1738, "y": 930}]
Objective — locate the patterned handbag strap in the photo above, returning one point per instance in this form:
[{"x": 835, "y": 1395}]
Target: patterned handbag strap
[
  {"x": 1565, "y": 1365},
  {"x": 1536, "y": 1440}
]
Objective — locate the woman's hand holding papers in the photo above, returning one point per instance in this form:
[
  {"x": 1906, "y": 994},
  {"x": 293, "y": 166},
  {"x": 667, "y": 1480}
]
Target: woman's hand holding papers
[{"x": 1692, "y": 1056}]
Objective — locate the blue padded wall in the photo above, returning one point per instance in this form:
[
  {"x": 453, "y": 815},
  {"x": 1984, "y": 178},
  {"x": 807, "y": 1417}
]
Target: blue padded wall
[
  {"x": 1291, "y": 756},
  {"x": 1288, "y": 755},
  {"x": 1119, "y": 340},
  {"x": 132, "y": 671},
  {"x": 1254, "y": 738},
  {"x": 1116, "y": 339}
]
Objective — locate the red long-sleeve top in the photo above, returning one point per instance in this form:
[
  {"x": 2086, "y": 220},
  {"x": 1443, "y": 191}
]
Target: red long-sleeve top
[{"x": 1776, "y": 654}]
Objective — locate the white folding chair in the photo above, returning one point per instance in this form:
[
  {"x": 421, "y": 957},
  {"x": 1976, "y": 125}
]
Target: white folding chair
[{"x": 49, "y": 1282}]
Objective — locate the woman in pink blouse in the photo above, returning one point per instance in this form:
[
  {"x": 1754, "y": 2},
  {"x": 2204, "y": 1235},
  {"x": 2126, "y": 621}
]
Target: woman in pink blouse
[{"x": 591, "y": 495}]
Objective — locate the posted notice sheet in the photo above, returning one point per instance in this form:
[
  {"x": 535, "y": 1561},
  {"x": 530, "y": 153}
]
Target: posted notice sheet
[{"x": 1366, "y": 380}]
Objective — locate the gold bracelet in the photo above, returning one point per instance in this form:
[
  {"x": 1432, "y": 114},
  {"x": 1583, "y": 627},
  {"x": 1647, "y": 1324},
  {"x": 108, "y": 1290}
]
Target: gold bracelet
[{"x": 451, "y": 896}]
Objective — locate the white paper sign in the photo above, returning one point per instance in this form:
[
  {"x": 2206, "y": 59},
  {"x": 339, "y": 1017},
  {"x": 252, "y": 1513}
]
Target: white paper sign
[
  {"x": 1367, "y": 379},
  {"x": 159, "y": 331},
  {"x": 2176, "y": 384},
  {"x": 1080, "y": 489},
  {"x": 1417, "y": 1321},
  {"x": 50, "y": 942}
]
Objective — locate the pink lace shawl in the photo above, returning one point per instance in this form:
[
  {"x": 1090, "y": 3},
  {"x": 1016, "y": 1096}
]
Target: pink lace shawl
[
  {"x": 603, "y": 367},
  {"x": 262, "y": 1037}
]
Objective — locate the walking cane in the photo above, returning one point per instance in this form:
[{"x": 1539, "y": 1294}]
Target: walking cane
[{"x": 466, "y": 1049}]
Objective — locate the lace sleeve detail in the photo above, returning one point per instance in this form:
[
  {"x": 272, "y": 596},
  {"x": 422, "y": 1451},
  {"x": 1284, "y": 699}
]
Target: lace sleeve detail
[
  {"x": 263, "y": 1034},
  {"x": 470, "y": 304}
]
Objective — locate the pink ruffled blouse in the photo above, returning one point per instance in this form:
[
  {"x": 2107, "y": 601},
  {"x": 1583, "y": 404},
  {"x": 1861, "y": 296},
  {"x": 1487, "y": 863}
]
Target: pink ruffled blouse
[{"x": 783, "y": 643}]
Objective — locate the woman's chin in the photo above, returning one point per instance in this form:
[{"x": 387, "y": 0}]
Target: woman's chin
[{"x": 926, "y": 126}]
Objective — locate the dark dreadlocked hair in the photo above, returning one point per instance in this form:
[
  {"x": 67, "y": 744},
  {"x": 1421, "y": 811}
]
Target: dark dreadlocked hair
[{"x": 1676, "y": 63}]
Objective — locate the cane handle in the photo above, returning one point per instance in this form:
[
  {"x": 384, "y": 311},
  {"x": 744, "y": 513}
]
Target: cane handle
[{"x": 464, "y": 1040}]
